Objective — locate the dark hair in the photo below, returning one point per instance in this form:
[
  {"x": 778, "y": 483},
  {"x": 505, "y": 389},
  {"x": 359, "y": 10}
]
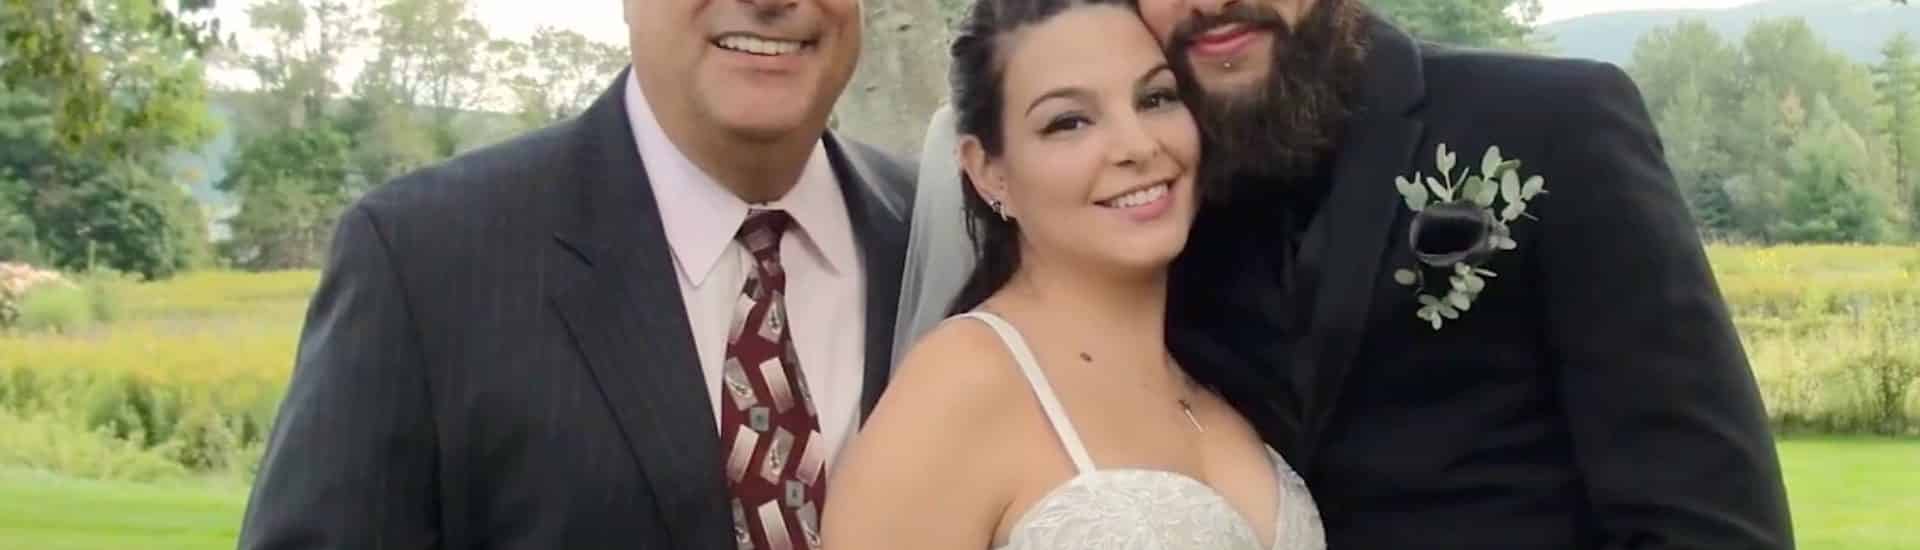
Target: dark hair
[{"x": 976, "y": 78}]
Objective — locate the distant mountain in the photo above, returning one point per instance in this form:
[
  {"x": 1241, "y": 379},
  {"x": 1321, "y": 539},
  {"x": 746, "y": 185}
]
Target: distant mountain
[{"x": 1855, "y": 27}]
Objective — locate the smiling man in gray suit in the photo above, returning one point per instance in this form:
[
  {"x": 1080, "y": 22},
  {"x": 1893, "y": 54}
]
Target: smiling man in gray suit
[{"x": 648, "y": 327}]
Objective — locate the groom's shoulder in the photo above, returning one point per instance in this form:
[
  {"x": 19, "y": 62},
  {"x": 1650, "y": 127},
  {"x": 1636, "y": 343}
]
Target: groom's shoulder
[{"x": 1520, "y": 80}]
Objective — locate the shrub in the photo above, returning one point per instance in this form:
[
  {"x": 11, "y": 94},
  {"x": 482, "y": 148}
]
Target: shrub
[
  {"x": 56, "y": 308},
  {"x": 15, "y": 280}
]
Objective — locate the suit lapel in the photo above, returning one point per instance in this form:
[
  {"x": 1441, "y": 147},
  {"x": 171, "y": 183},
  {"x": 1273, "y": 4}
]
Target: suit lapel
[
  {"x": 624, "y": 313},
  {"x": 879, "y": 218},
  {"x": 1349, "y": 239}
]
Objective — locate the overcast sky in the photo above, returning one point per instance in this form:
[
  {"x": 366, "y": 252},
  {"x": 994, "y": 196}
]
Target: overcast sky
[{"x": 600, "y": 19}]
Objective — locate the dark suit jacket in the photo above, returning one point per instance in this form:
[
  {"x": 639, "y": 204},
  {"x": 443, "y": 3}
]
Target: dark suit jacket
[
  {"x": 1594, "y": 396},
  {"x": 498, "y": 357}
]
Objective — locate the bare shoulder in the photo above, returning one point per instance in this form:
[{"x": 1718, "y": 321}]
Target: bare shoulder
[
  {"x": 960, "y": 374},
  {"x": 938, "y": 429}
]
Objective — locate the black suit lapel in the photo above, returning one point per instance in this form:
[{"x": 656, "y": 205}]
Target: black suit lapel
[
  {"x": 1349, "y": 239},
  {"x": 879, "y": 218},
  {"x": 626, "y": 316}
]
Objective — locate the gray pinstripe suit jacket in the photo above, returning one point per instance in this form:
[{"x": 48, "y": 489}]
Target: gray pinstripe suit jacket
[{"x": 497, "y": 356}]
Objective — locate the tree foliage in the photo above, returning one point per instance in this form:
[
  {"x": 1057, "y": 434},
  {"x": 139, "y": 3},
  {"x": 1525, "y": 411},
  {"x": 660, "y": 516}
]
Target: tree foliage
[
  {"x": 1897, "y": 79},
  {"x": 99, "y": 94},
  {"x": 1480, "y": 23},
  {"x": 1776, "y": 137}
]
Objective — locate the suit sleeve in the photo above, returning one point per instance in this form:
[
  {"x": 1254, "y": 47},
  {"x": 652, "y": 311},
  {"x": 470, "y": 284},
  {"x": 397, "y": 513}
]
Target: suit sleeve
[
  {"x": 1669, "y": 430},
  {"x": 350, "y": 462}
]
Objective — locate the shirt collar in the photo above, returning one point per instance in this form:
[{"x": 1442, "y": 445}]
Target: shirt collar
[{"x": 701, "y": 216}]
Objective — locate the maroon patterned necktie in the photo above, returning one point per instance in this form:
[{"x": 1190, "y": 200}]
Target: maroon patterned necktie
[{"x": 768, "y": 426}]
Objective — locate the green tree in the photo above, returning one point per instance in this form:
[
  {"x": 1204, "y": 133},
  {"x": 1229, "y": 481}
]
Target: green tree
[
  {"x": 90, "y": 138},
  {"x": 54, "y": 46},
  {"x": 298, "y": 70},
  {"x": 292, "y": 172},
  {"x": 1688, "y": 55},
  {"x": 1483, "y": 23},
  {"x": 1689, "y": 76},
  {"x": 1830, "y": 197},
  {"x": 292, "y": 185},
  {"x": 428, "y": 62},
  {"x": 1690, "y": 132},
  {"x": 1898, "y": 82},
  {"x": 1784, "y": 55},
  {"x": 554, "y": 73}
]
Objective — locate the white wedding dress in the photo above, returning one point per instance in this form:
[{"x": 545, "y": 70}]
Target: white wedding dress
[{"x": 1140, "y": 509}]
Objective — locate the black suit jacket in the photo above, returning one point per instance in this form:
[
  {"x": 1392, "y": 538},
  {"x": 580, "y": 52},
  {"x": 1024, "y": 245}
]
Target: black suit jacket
[
  {"x": 498, "y": 357},
  {"x": 1595, "y": 395}
]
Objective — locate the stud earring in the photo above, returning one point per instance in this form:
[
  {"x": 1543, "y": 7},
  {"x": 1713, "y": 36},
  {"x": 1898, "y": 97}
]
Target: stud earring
[{"x": 998, "y": 208}]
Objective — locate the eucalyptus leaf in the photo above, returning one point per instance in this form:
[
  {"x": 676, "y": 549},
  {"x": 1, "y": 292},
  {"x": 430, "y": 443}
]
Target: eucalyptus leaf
[
  {"x": 1445, "y": 194},
  {"x": 1414, "y": 193},
  {"x": 1488, "y": 273},
  {"x": 1475, "y": 284},
  {"x": 1460, "y": 301},
  {"x": 1445, "y": 159},
  {"x": 1505, "y": 243},
  {"x": 1513, "y": 210},
  {"x": 1510, "y": 188},
  {"x": 1510, "y": 166},
  {"x": 1406, "y": 277},
  {"x": 1534, "y": 186},
  {"x": 1490, "y": 163},
  {"x": 1449, "y": 312},
  {"x": 1429, "y": 301},
  {"x": 1480, "y": 190}
]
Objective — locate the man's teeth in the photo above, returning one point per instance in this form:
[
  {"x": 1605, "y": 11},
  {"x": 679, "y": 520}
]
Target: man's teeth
[
  {"x": 1138, "y": 198},
  {"x": 758, "y": 46}
]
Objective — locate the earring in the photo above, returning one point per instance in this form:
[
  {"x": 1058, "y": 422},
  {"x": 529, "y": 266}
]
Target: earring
[{"x": 998, "y": 208}]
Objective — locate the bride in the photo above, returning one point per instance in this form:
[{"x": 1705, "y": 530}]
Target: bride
[{"x": 1046, "y": 413}]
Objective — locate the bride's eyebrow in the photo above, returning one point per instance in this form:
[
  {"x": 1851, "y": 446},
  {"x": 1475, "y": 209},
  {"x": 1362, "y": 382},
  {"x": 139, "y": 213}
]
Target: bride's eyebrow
[
  {"x": 1152, "y": 72},
  {"x": 1069, "y": 92},
  {"x": 1076, "y": 92}
]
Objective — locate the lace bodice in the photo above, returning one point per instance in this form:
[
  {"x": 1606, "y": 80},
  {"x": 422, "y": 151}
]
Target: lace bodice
[{"x": 1139, "y": 509}]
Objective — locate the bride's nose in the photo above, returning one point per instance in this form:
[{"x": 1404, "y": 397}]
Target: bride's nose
[{"x": 1132, "y": 145}]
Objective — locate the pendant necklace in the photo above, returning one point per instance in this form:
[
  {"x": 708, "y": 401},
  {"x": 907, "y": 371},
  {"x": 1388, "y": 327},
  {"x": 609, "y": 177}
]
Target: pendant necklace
[{"x": 1186, "y": 407}]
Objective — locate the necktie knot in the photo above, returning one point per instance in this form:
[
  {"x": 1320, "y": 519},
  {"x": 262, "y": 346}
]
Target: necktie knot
[{"x": 762, "y": 231}]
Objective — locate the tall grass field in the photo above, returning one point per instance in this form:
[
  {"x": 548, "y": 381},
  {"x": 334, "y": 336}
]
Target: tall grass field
[{"x": 143, "y": 406}]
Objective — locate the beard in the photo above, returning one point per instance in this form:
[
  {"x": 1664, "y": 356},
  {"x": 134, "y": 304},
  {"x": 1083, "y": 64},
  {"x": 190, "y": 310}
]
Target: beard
[{"x": 1264, "y": 139}]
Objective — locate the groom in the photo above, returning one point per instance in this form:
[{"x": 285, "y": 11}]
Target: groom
[{"x": 1459, "y": 349}]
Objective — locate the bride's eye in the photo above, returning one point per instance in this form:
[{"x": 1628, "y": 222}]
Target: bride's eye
[
  {"x": 1159, "y": 97},
  {"x": 1064, "y": 123}
]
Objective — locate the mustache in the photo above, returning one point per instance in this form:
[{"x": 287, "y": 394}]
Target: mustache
[{"x": 1253, "y": 15}]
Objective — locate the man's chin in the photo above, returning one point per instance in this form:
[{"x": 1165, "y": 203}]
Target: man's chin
[
  {"x": 1235, "y": 91},
  {"x": 760, "y": 127}
]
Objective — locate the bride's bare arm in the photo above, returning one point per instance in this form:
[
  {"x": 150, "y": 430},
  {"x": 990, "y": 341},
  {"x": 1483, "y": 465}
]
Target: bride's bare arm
[{"x": 927, "y": 471}]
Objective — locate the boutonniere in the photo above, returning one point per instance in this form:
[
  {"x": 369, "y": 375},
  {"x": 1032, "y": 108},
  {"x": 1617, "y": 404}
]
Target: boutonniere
[{"x": 1458, "y": 223}]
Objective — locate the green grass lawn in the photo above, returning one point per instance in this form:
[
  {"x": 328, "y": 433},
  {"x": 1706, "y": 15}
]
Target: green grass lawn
[
  {"x": 1848, "y": 494},
  {"x": 1854, "y": 494},
  {"x": 45, "y": 512}
]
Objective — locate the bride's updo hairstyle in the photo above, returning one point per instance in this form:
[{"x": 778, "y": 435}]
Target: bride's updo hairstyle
[{"x": 976, "y": 77}]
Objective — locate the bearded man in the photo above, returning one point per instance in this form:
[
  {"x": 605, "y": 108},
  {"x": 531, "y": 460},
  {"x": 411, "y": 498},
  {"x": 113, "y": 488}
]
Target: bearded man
[{"x": 1459, "y": 290}]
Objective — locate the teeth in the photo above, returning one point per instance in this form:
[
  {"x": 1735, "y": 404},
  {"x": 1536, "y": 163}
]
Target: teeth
[
  {"x": 758, "y": 46},
  {"x": 1141, "y": 197}
]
